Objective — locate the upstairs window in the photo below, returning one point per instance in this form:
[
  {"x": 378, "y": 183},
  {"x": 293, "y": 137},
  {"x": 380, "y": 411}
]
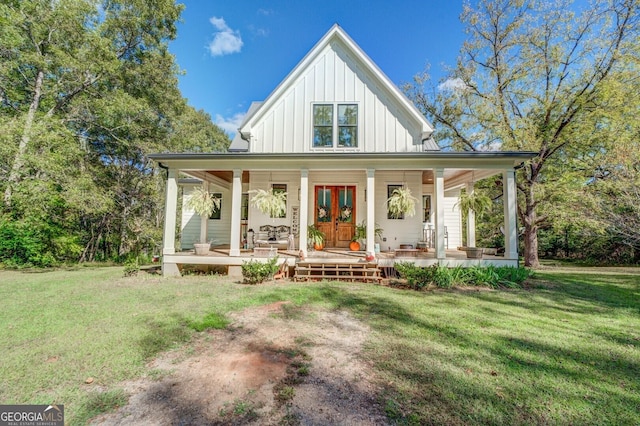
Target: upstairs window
[
  {"x": 322, "y": 126},
  {"x": 335, "y": 126},
  {"x": 348, "y": 126}
]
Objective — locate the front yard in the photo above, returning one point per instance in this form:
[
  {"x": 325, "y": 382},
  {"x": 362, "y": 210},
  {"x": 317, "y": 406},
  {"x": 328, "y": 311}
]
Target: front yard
[{"x": 564, "y": 350}]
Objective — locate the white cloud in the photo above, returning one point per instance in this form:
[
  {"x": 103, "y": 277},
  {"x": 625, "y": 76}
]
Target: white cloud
[
  {"x": 452, "y": 84},
  {"x": 230, "y": 124},
  {"x": 226, "y": 40}
]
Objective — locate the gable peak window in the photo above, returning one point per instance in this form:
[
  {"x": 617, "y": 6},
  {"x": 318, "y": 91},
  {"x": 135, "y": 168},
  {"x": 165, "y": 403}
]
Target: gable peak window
[{"x": 335, "y": 125}]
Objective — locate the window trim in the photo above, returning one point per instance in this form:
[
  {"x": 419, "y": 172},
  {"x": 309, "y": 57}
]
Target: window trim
[{"x": 336, "y": 126}]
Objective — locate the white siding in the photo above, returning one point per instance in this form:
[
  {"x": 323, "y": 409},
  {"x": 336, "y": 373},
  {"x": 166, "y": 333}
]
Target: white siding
[
  {"x": 335, "y": 76},
  {"x": 452, "y": 218},
  {"x": 217, "y": 229},
  {"x": 190, "y": 227},
  {"x": 395, "y": 231},
  {"x": 398, "y": 231},
  {"x": 263, "y": 180},
  {"x": 453, "y": 221}
]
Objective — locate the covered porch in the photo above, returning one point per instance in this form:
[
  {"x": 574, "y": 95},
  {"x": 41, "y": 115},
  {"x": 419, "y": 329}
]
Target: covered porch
[{"x": 368, "y": 174}]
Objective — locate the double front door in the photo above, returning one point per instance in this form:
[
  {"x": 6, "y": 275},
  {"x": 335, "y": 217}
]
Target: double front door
[{"x": 335, "y": 214}]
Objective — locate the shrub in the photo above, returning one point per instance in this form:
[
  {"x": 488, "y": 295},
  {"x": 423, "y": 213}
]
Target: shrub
[
  {"x": 131, "y": 267},
  {"x": 417, "y": 277},
  {"x": 25, "y": 244},
  {"x": 441, "y": 276},
  {"x": 255, "y": 272}
]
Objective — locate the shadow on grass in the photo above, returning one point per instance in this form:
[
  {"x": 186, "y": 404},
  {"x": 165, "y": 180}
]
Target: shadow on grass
[
  {"x": 494, "y": 357},
  {"x": 591, "y": 293},
  {"x": 501, "y": 357}
]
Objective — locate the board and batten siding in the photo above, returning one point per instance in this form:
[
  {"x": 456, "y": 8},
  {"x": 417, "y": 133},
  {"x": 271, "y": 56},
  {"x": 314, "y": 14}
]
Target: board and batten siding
[{"x": 335, "y": 77}]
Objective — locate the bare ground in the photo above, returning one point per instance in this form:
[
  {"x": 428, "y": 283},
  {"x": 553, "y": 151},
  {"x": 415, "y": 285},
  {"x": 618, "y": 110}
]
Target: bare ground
[{"x": 276, "y": 364}]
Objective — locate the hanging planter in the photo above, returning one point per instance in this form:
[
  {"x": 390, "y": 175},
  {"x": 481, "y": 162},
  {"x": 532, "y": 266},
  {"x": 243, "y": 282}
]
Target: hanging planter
[
  {"x": 475, "y": 201},
  {"x": 272, "y": 203},
  {"x": 203, "y": 203},
  {"x": 401, "y": 203}
]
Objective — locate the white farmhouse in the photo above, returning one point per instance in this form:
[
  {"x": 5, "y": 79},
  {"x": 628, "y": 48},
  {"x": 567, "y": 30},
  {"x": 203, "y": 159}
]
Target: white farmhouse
[{"x": 338, "y": 137}]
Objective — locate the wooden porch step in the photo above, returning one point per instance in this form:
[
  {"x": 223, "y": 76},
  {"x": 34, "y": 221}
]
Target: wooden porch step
[{"x": 341, "y": 271}]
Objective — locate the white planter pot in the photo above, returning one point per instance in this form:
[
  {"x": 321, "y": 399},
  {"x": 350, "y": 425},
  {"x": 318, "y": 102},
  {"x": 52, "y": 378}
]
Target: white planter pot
[
  {"x": 202, "y": 248},
  {"x": 474, "y": 253}
]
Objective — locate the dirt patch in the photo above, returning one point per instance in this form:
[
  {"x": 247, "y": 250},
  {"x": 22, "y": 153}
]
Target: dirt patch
[{"x": 276, "y": 364}]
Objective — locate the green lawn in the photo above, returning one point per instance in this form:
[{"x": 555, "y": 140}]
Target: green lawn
[{"x": 566, "y": 350}]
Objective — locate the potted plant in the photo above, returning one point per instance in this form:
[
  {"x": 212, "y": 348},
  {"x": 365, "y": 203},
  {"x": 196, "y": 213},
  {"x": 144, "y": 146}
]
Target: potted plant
[
  {"x": 315, "y": 237},
  {"x": 401, "y": 202},
  {"x": 360, "y": 234},
  {"x": 203, "y": 203},
  {"x": 479, "y": 203},
  {"x": 272, "y": 203}
]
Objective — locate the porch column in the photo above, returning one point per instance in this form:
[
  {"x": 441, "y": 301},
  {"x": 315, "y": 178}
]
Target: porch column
[
  {"x": 438, "y": 183},
  {"x": 510, "y": 212},
  {"x": 170, "y": 213},
  {"x": 471, "y": 220},
  {"x": 204, "y": 221},
  {"x": 304, "y": 210},
  {"x": 236, "y": 208},
  {"x": 170, "y": 217},
  {"x": 371, "y": 211}
]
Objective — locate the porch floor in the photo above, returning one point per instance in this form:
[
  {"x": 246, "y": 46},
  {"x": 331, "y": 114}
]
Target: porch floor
[{"x": 219, "y": 255}]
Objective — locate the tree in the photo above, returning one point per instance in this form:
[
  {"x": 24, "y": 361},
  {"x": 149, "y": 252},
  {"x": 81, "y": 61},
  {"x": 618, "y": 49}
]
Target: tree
[
  {"x": 87, "y": 90},
  {"x": 528, "y": 78},
  {"x": 612, "y": 195}
]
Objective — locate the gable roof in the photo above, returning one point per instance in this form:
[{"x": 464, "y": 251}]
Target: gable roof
[{"x": 336, "y": 33}]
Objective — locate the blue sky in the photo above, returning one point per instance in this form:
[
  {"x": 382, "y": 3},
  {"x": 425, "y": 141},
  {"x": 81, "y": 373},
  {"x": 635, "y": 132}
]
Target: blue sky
[{"x": 234, "y": 52}]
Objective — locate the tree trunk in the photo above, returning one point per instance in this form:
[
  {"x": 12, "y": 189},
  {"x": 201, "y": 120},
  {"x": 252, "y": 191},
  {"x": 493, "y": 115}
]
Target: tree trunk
[
  {"x": 18, "y": 161},
  {"x": 530, "y": 234},
  {"x": 531, "y": 247}
]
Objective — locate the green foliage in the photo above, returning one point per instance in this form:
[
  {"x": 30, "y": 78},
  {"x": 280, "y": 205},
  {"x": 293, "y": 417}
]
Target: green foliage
[
  {"x": 315, "y": 235},
  {"x": 131, "y": 267},
  {"x": 419, "y": 278},
  {"x": 272, "y": 203},
  {"x": 89, "y": 90},
  {"x": 477, "y": 201},
  {"x": 401, "y": 202},
  {"x": 202, "y": 202},
  {"x": 256, "y": 272},
  {"x": 532, "y": 87},
  {"x": 360, "y": 232},
  {"x": 30, "y": 243}
]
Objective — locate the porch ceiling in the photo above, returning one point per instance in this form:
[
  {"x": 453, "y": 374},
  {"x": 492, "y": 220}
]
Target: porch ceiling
[{"x": 227, "y": 175}]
